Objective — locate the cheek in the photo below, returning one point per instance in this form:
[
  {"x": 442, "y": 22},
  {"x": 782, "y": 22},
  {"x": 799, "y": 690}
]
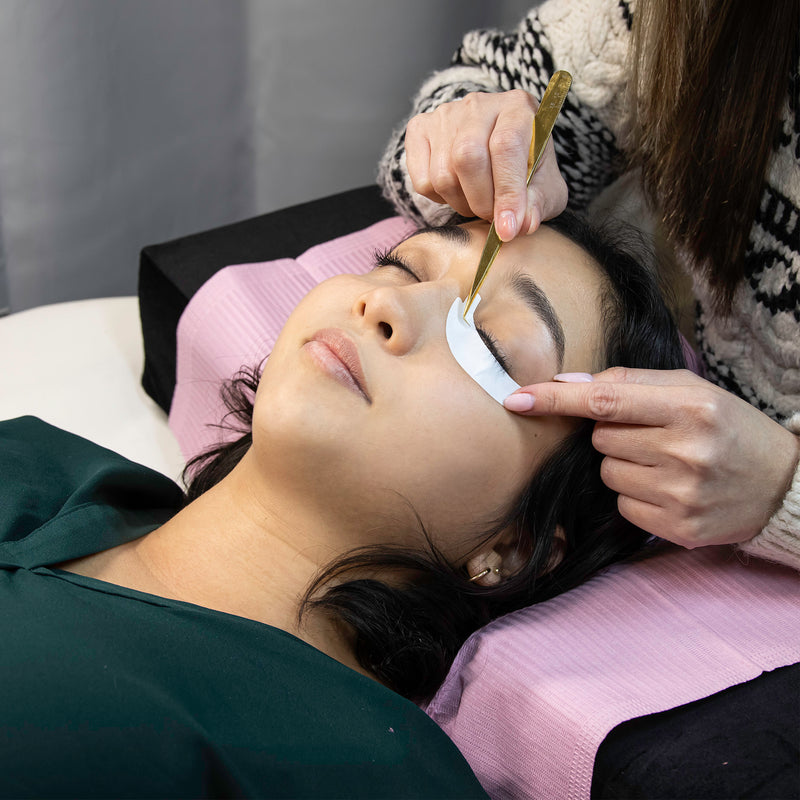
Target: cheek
[{"x": 462, "y": 459}]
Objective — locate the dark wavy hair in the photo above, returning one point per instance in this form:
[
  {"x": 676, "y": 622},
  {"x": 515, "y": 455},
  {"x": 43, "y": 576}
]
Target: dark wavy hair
[{"x": 407, "y": 630}]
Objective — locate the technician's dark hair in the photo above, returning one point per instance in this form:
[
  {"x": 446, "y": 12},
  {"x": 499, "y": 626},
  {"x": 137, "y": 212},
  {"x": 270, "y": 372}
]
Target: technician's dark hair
[{"x": 408, "y": 629}]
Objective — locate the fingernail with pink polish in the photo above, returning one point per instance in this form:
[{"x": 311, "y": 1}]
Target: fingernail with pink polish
[
  {"x": 508, "y": 225},
  {"x": 573, "y": 377},
  {"x": 519, "y": 402}
]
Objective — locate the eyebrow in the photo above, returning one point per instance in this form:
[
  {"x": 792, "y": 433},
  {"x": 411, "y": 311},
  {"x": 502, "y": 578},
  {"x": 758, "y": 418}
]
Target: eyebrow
[
  {"x": 537, "y": 300},
  {"x": 450, "y": 231},
  {"x": 522, "y": 284}
]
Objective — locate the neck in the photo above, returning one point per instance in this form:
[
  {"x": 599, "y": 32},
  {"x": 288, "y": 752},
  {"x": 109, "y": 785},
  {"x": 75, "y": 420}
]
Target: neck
[{"x": 244, "y": 548}]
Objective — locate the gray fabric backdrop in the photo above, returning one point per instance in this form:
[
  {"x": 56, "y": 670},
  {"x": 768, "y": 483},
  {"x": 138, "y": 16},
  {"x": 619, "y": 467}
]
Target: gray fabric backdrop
[{"x": 128, "y": 122}]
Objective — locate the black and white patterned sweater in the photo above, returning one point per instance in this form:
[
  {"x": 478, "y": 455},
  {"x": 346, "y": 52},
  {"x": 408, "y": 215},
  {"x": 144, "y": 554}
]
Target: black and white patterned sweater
[{"x": 755, "y": 351}]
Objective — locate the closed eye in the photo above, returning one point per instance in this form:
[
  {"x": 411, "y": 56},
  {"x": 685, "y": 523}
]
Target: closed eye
[
  {"x": 389, "y": 258},
  {"x": 494, "y": 348}
]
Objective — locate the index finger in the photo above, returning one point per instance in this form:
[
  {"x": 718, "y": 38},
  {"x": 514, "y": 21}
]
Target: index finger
[{"x": 634, "y": 404}]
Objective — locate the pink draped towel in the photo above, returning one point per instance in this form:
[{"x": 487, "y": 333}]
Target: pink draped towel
[{"x": 532, "y": 695}]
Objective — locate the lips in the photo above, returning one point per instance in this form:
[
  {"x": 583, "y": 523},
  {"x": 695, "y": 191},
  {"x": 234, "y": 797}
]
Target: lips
[{"x": 337, "y": 355}]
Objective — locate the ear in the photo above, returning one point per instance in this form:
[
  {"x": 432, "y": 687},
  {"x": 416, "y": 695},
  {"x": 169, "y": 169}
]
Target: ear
[
  {"x": 484, "y": 568},
  {"x": 557, "y": 551},
  {"x": 488, "y": 568},
  {"x": 503, "y": 558}
]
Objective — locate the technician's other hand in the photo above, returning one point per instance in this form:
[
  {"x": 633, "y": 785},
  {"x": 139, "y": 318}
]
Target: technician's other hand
[
  {"x": 472, "y": 154},
  {"x": 691, "y": 462}
]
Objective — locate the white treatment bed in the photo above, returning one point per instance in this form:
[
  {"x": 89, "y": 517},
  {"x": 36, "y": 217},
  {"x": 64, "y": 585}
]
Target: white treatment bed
[{"x": 78, "y": 365}]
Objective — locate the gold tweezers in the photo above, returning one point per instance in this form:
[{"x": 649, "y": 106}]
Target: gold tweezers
[{"x": 543, "y": 122}]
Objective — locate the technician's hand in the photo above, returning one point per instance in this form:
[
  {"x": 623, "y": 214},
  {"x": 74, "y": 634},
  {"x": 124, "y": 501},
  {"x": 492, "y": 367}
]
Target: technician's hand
[
  {"x": 691, "y": 462},
  {"x": 472, "y": 154}
]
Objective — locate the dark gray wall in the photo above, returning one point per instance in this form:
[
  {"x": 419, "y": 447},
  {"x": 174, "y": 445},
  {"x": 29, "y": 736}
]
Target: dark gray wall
[{"x": 134, "y": 121}]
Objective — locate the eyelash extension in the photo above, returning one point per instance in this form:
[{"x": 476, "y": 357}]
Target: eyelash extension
[
  {"x": 494, "y": 348},
  {"x": 388, "y": 258}
]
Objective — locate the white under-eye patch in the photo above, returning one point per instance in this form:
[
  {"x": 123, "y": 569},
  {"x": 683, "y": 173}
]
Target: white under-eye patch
[{"x": 472, "y": 353}]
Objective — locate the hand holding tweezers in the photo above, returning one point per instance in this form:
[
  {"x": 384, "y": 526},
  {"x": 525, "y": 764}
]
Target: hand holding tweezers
[{"x": 543, "y": 121}]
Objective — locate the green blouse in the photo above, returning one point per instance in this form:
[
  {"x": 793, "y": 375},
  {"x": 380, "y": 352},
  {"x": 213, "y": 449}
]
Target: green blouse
[{"x": 109, "y": 692}]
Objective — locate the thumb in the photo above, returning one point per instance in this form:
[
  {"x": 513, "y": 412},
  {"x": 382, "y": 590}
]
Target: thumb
[{"x": 509, "y": 211}]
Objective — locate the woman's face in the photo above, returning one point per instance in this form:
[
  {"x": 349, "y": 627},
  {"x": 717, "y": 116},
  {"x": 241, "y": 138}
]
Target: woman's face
[{"x": 363, "y": 403}]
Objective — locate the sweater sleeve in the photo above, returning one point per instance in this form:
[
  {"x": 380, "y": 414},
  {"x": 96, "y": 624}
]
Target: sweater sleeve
[
  {"x": 590, "y": 39},
  {"x": 780, "y": 539}
]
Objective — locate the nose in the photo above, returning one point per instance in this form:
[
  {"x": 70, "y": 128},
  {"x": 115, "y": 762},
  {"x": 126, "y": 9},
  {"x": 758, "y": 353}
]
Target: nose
[{"x": 403, "y": 316}]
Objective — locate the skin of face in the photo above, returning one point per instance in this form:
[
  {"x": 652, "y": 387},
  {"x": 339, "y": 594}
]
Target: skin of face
[{"x": 364, "y": 413}]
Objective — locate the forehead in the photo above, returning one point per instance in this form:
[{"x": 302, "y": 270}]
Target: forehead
[{"x": 546, "y": 253}]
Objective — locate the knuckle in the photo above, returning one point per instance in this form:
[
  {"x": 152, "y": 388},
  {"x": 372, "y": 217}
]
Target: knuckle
[
  {"x": 709, "y": 411},
  {"x": 508, "y": 140},
  {"x": 688, "y": 498},
  {"x": 472, "y": 100},
  {"x": 602, "y": 401},
  {"x": 627, "y": 509},
  {"x": 705, "y": 409},
  {"x": 600, "y": 437},
  {"x": 443, "y": 181},
  {"x": 681, "y": 498},
  {"x": 425, "y": 188},
  {"x": 469, "y": 154},
  {"x": 607, "y": 472},
  {"x": 422, "y": 186},
  {"x": 521, "y": 98},
  {"x": 617, "y": 374},
  {"x": 417, "y": 125},
  {"x": 481, "y": 206},
  {"x": 703, "y": 458}
]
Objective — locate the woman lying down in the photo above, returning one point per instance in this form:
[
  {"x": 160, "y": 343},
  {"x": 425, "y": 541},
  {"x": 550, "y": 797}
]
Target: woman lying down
[{"x": 269, "y": 633}]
